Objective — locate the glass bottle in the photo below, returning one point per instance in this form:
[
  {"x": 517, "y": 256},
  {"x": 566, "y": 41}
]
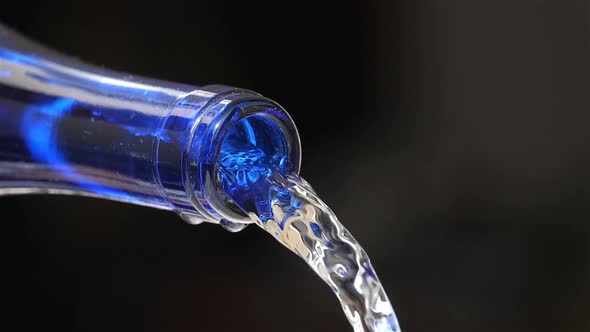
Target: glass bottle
[{"x": 70, "y": 128}]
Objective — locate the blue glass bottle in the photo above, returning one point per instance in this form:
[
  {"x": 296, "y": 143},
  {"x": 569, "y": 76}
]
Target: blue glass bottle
[{"x": 70, "y": 128}]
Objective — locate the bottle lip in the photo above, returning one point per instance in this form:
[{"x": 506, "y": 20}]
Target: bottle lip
[{"x": 200, "y": 162}]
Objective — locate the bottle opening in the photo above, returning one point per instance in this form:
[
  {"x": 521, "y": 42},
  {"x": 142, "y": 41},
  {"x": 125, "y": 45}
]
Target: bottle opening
[
  {"x": 255, "y": 146},
  {"x": 255, "y": 140},
  {"x": 247, "y": 141}
]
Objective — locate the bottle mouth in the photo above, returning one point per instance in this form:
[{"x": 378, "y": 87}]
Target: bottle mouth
[{"x": 242, "y": 131}]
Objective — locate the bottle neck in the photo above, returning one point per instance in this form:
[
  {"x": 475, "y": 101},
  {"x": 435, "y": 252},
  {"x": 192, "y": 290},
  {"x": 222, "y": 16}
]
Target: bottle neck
[
  {"x": 233, "y": 121},
  {"x": 69, "y": 128}
]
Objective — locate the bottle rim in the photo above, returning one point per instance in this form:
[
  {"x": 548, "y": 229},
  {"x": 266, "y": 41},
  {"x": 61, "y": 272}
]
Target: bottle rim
[{"x": 202, "y": 155}]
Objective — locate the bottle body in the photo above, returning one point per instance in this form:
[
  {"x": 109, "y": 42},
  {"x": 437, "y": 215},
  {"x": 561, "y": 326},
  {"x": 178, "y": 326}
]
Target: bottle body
[
  {"x": 69, "y": 128},
  {"x": 70, "y": 132}
]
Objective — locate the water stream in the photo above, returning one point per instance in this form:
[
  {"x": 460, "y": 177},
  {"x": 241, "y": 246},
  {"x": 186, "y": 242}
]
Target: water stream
[{"x": 286, "y": 206}]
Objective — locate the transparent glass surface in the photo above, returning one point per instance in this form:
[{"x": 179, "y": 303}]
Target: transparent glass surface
[{"x": 70, "y": 128}]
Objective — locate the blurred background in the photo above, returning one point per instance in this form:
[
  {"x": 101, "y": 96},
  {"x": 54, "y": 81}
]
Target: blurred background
[{"x": 451, "y": 137}]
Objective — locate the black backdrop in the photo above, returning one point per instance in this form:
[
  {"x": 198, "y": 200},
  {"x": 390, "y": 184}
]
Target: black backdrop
[{"x": 451, "y": 137}]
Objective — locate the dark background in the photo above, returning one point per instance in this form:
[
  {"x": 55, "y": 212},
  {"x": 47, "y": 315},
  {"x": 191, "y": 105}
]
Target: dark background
[{"x": 451, "y": 137}]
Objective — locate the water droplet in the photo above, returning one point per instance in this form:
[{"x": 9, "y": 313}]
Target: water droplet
[{"x": 232, "y": 226}]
